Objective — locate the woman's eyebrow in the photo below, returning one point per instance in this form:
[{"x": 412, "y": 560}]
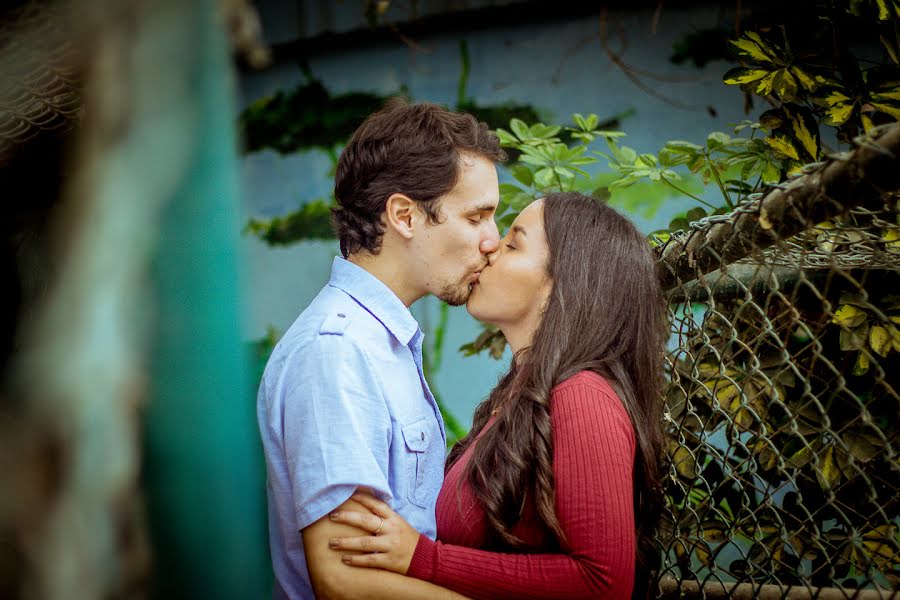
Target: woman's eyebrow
[{"x": 519, "y": 229}]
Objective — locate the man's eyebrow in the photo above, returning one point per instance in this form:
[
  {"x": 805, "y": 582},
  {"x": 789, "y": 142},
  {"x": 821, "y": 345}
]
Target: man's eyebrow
[
  {"x": 485, "y": 208},
  {"x": 520, "y": 229}
]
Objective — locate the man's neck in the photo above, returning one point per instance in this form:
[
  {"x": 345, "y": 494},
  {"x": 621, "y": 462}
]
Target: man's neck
[{"x": 388, "y": 271}]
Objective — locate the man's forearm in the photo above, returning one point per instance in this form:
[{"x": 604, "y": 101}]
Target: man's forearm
[{"x": 333, "y": 580}]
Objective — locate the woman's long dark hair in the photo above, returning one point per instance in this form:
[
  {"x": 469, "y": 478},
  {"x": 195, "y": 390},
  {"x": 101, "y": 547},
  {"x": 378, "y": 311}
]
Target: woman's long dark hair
[{"x": 605, "y": 314}]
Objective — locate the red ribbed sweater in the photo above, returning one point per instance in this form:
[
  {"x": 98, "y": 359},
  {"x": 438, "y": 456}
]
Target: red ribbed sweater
[{"x": 593, "y": 458}]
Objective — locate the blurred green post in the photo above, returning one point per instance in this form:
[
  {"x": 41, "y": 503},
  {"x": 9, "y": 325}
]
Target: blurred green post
[{"x": 204, "y": 477}]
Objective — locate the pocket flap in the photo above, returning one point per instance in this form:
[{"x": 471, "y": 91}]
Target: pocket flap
[{"x": 417, "y": 435}]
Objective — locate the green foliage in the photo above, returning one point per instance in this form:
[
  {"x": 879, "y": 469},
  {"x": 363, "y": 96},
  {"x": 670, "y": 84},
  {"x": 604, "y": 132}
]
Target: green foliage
[
  {"x": 309, "y": 222},
  {"x": 307, "y": 117}
]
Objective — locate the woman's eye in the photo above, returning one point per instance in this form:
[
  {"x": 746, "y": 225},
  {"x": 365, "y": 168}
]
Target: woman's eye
[{"x": 475, "y": 221}]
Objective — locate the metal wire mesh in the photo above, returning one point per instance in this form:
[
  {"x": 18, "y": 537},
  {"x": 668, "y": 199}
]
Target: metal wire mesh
[{"x": 782, "y": 409}]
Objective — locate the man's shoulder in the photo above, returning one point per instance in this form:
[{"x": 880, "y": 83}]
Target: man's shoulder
[{"x": 333, "y": 320}]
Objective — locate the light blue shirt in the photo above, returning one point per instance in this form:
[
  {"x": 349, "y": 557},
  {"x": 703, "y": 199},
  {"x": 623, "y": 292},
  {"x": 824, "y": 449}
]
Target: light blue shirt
[{"x": 343, "y": 403}]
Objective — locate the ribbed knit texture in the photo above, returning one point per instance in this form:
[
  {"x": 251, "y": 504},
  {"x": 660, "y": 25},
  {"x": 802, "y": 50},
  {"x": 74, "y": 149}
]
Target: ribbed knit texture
[{"x": 593, "y": 457}]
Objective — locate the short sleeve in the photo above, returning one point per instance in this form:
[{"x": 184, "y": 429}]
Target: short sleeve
[{"x": 337, "y": 427}]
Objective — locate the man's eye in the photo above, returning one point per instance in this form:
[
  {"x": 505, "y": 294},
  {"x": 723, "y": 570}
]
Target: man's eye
[{"x": 510, "y": 246}]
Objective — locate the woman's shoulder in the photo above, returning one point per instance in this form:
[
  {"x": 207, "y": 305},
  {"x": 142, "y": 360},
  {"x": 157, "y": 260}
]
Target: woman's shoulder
[
  {"x": 588, "y": 386},
  {"x": 588, "y": 379}
]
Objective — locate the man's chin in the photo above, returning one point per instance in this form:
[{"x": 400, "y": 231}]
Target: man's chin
[{"x": 457, "y": 295}]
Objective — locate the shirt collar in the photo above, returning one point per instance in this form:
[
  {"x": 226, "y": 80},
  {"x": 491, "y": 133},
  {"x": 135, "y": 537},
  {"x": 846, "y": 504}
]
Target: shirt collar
[{"x": 375, "y": 297}]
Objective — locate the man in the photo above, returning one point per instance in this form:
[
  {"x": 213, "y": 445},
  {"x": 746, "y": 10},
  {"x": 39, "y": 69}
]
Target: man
[{"x": 343, "y": 402}]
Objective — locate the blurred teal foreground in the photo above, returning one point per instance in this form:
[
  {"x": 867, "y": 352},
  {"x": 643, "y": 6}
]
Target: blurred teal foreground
[{"x": 204, "y": 473}]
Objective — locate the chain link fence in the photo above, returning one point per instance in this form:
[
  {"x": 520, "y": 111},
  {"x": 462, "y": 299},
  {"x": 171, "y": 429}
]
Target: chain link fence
[{"x": 783, "y": 395}]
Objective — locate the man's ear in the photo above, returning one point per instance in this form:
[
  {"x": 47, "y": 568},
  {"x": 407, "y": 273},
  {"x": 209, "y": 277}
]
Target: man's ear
[{"x": 401, "y": 214}]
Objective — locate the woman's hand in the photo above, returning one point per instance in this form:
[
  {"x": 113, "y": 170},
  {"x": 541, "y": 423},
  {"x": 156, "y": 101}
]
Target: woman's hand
[{"x": 391, "y": 545}]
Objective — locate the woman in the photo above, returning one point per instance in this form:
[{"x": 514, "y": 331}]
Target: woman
[{"x": 556, "y": 490}]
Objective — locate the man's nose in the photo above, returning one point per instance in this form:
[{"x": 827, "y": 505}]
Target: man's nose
[{"x": 491, "y": 242}]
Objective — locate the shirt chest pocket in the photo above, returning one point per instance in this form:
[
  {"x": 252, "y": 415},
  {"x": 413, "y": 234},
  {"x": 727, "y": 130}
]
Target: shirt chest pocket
[{"x": 417, "y": 438}]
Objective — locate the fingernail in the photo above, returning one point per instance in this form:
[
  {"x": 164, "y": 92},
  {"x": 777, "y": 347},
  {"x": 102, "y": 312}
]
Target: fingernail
[
  {"x": 334, "y": 515},
  {"x": 346, "y": 560},
  {"x": 332, "y": 543}
]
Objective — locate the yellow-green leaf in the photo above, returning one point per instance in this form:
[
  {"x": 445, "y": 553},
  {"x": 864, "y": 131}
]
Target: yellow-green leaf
[
  {"x": 867, "y": 123},
  {"x": 805, "y": 136},
  {"x": 684, "y": 462},
  {"x": 784, "y": 85},
  {"x": 884, "y": 12},
  {"x": 861, "y": 367},
  {"x": 849, "y": 316},
  {"x": 890, "y": 95},
  {"x": 880, "y": 340},
  {"x": 838, "y": 114},
  {"x": 742, "y": 75},
  {"x": 805, "y": 80},
  {"x": 854, "y": 339},
  {"x": 889, "y": 109},
  {"x": 895, "y": 337},
  {"x": 783, "y": 145},
  {"x": 891, "y": 239},
  {"x": 828, "y": 472},
  {"x": 752, "y": 46},
  {"x": 764, "y": 88},
  {"x": 726, "y": 393},
  {"x": 835, "y": 97}
]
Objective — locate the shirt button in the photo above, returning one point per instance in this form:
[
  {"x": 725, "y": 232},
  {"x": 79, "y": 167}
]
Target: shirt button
[
  {"x": 341, "y": 315},
  {"x": 423, "y": 436}
]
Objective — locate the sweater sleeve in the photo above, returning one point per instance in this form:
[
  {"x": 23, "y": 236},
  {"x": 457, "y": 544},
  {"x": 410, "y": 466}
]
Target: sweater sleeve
[{"x": 593, "y": 457}]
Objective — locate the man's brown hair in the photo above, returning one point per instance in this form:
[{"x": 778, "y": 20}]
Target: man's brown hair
[{"x": 410, "y": 149}]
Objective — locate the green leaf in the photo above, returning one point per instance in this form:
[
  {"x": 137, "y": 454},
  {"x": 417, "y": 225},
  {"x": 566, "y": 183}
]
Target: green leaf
[
  {"x": 518, "y": 202},
  {"x": 681, "y": 146},
  {"x": 522, "y": 174},
  {"x": 771, "y": 173},
  {"x": 592, "y": 122},
  {"x": 564, "y": 172},
  {"x": 695, "y": 214},
  {"x": 609, "y": 134},
  {"x": 539, "y": 130},
  {"x": 504, "y": 222},
  {"x": 623, "y": 182},
  {"x": 544, "y": 177},
  {"x": 506, "y": 138},
  {"x": 717, "y": 139},
  {"x": 766, "y": 84},
  {"x": 510, "y": 189},
  {"x": 519, "y": 128},
  {"x": 533, "y": 160},
  {"x": 647, "y": 160}
]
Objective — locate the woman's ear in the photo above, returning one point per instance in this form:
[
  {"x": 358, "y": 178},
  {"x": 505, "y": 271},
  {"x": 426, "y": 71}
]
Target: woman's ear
[{"x": 400, "y": 214}]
